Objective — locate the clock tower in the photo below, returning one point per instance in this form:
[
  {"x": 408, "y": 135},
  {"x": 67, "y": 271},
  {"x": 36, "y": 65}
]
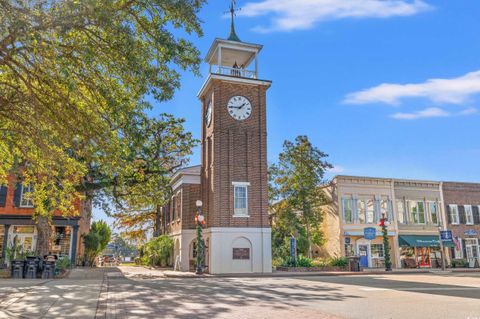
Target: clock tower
[{"x": 234, "y": 186}]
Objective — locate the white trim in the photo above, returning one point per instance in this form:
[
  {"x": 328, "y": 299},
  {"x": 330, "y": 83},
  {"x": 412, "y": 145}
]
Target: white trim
[
  {"x": 457, "y": 214},
  {"x": 467, "y": 215},
  {"x": 21, "y": 197},
  {"x": 227, "y": 78},
  {"x": 241, "y": 183}
]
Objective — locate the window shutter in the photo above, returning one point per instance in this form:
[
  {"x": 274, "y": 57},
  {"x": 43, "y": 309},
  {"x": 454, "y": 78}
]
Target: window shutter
[
  {"x": 449, "y": 217},
  {"x": 355, "y": 209},
  {"x": 3, "y": 195},
  {"x": 17, "y": 194},
  {"x": 461, "y": 213},
  {"x": 390, "y": 210},
  {"x": 476, "y": 215}
]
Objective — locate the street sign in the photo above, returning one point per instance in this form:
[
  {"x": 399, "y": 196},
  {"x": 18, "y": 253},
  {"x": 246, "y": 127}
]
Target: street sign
[
  {"x": 370, "y": 233},
  {"x": 446, "y": 235}
]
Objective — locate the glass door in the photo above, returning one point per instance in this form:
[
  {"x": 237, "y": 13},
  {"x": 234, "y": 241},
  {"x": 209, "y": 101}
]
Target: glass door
[{"x": 471, "y": 247}]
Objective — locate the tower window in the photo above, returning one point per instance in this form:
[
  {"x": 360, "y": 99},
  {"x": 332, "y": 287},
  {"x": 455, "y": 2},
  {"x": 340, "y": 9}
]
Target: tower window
[{"x": 240, "y": 199}]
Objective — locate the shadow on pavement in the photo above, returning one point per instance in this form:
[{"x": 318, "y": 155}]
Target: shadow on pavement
[
  {"x": 207, "y": 298},
  {"x": 408, "y": 286}
]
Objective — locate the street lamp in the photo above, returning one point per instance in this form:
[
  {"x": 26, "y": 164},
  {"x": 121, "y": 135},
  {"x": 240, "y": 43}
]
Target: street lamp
[
  {"x": 200, "y": 221},
  {"x": 442, "y": 250},
  {"x": 384, "y": 223}
]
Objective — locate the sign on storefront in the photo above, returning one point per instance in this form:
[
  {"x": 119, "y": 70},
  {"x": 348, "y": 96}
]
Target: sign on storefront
[
  {"x": 369, "y": 233},
  {"x": 470, "y": 232},
  {"x": 446, "y": 235}
]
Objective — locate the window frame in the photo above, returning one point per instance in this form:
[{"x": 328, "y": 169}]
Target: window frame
[
  {"x": 349, "y": 201},
  {"x": 416, "y": 215},
  {"x": 437, "y": 215},
  {"x": 240, "y": 212},
  {"x": 29, "y": 201},
  {"x": 467, "y": 215},
  {"x": 457, "y": 215}
]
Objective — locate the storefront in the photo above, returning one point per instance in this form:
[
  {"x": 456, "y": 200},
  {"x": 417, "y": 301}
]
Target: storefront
[
  {"x": 421, "y": 251},
  {"x": 370, "y": 251},
  {"x": 21, "y": 232}
]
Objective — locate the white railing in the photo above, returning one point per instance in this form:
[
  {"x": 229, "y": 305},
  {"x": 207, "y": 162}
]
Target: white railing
[{"x": 238, "y": 72}]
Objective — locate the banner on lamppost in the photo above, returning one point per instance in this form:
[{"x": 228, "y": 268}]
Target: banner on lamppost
[
  {"x": 293, "y": 248},
  {"x": 446, "y": 235}
]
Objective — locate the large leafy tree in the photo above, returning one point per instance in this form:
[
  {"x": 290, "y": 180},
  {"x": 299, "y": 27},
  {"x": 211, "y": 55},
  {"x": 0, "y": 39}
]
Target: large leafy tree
[
  {"x": 74, "y": 78},
  {"x": 296, "y": 183}
]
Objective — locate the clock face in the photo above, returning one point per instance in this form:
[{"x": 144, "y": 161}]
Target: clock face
[
  {"x": 239, "y": 107},
  {"x": 208, "y": 114}
]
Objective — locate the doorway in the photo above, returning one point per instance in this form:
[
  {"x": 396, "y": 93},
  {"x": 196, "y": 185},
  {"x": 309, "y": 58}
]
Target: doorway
[
  {"x": 472, "y": 250},
  {"x": 423, "y": 257},
  {"x": 363, "y": 252}
]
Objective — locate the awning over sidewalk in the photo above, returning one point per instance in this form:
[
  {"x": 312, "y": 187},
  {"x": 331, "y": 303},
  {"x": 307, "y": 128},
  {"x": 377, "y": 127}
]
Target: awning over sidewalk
[{"x": 421, "y": 241}]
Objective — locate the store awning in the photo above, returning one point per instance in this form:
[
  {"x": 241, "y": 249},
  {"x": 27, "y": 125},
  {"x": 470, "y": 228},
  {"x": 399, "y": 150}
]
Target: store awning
[{"x": 421, "y": 241}]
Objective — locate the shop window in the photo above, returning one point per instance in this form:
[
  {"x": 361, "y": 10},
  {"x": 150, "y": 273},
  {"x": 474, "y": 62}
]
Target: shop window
[
  {"x": 469, "y": 214},
  {"x": 453, "y": 214},
  {"x": 26, "y": 197},
  {"x": 349, "y": 250},
  {"x": 347, "y": 210},
  {"x": 433, "y": 211},
  {"x": 377, "y": 251},
  {"x": 401, "y": 211}
]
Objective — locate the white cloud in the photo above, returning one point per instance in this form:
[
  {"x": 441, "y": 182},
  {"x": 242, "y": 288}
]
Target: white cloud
[
  {"x": 303, "y": 14},
  {"x": 454, "y": 91},
  {"x": 431, "y": 112}
]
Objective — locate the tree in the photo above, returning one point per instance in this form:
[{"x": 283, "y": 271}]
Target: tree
[
  {"x": 296, "y": 179},
  {"x": 96, "y": 240},
  {"x": 74, "y": 77}
]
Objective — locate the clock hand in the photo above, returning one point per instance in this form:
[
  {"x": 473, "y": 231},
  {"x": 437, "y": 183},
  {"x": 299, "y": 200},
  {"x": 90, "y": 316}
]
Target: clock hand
[{"x": 237, "y": 107}]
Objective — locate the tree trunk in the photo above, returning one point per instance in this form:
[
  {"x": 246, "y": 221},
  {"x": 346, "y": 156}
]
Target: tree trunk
[
  {"x": 158, "y": 221},
  {"x": 85, "y": 218},
  {"x": 44, "y": 231}
]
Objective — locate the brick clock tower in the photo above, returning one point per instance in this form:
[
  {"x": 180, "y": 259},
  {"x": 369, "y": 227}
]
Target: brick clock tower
[{"x": 233, "y": 176}]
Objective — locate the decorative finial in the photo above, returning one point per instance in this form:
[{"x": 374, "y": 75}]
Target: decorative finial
[{"x": 233, "y": 36}]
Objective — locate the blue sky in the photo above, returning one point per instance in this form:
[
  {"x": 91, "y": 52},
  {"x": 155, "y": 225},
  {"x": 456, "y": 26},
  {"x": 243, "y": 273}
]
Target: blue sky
[{"x": 387, "y": 88}]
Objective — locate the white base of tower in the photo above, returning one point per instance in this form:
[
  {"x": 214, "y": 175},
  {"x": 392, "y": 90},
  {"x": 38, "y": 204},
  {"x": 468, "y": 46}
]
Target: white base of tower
[{"x": 221, "y": 242}]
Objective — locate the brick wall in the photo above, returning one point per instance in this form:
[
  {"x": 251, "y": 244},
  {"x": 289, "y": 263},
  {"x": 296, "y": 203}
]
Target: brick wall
[
  {"x": 237, "y": 153},
  {"x": 462, "y": 194}
]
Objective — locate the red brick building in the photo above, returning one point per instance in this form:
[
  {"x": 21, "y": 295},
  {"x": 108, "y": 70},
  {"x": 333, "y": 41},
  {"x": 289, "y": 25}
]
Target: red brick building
[
  {"x": 462, "y": 206},
  {"x": 17, "y": 225},
  {"x": 231, "y": 181}
]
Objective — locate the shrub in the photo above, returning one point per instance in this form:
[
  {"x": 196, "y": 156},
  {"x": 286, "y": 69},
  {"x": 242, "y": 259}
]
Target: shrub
[
  {"x": 339, "y": 262},
  {"x": 96, "y": 240},
  {"x": 63, "y": 263},
  {"x": 157, "y": 251},
  {"x": 321, "y": 262},
  {"x": 460, "y": 263},
  {"x": 301, "y": 262}
]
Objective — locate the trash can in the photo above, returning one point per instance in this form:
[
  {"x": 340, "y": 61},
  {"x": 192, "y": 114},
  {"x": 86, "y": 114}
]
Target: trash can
[
  {"x": 17, "y": 269},
  {"x": 354, "y": 263},
  {"x": 48, "y": 270},
  {"x": 31, "y": 266}
]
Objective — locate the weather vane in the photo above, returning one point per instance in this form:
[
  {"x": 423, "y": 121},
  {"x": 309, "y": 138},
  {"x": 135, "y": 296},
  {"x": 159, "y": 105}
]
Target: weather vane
[{"x": 233, "y": 36}]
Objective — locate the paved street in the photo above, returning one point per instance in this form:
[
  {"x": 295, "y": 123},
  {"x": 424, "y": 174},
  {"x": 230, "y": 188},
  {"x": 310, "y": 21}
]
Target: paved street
[{"x": 131, "y": 295}]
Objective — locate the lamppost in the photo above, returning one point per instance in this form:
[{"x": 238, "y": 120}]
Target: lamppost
[
  {"x": 442, "y": 250},
  {"x": 200, "y": 221},
  {"x": 386, "y": 245}
]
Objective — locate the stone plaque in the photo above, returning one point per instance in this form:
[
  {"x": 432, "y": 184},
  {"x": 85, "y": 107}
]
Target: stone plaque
[{"x": 241, "y": 253}]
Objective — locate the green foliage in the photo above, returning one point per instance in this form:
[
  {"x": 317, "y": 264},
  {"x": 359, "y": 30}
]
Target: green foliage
[
  {"x": 63, "y": 263},
  {"x": 295, "y": 194},
  {"x": 460, "y": 263},
  {"x": 157, "y": 251},
  {"x": 96, "y": 240},
  {"x": 300, "y": 262},
  {"x": 75, "y": 79},
  {"x": 339, "y": 262}
]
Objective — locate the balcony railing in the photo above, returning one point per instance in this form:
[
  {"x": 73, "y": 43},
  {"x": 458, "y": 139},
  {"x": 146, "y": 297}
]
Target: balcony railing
[{"x": 238, "y": 72}]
